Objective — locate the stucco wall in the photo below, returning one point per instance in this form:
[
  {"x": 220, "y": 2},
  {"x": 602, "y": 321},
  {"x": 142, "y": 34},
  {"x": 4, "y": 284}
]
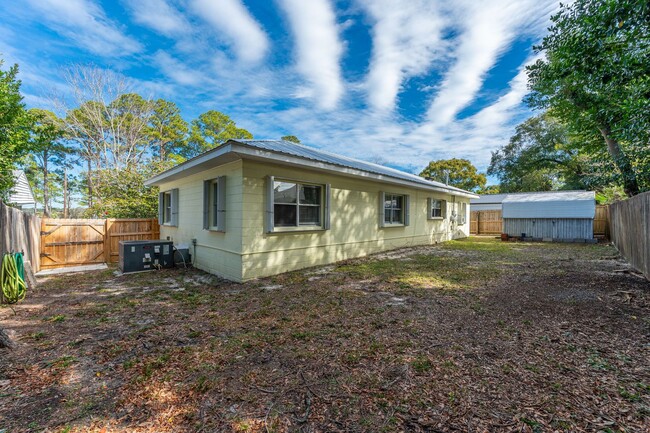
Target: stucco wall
[
  {"x": 217, "y": 253},
  {"x": 354, "y": 216}
]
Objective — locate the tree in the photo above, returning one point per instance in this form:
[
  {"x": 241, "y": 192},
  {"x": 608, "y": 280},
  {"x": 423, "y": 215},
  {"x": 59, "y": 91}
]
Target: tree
[
  {"x": 210, "y": 130},
  {"x": 594, "y": 77},
  {"x": 46, "y": 146},
  {"x": 167, "y": 131},
  {"x": 539, "y": 157},
  {"x": 14, "y": 127},
  {"x": 462, "y": 174},
  {"x": 291, "y": 138}
]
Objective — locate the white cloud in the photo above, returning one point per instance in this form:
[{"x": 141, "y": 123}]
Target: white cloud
[
  {"x": 85, "y": 23},
  {"x": 178, "y": 71},
  {"x": 231, "y": 18},
  {"x": 487, "y": 30},
  {"x": 407, "y": 38},
  {"x": 159, "y": 16},
  {"x": 318, "y": 48}
]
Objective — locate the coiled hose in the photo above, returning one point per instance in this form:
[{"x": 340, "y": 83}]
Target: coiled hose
[{"x": 12, "y": 278}]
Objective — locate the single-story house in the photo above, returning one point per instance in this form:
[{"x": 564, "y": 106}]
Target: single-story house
[
  {"x": 254, "y": 208},
  {"x": 557, "y": 215},
  {"x": 21, "y": 195}
]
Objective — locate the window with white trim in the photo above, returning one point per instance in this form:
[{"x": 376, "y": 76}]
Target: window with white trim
[
  {"x": 436, "y": 208},
  {"x": 297, "y": 204},
  {"x": 394, "y": 208},
  {"x": 462, "y": 214},
  {"x": 167, "y": 207},
  {"x": 214, "y": 204}
]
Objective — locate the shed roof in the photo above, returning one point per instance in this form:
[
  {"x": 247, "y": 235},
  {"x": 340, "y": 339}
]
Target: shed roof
[
  {"x": 555, "y": 204},
  {"x": 21, "y": 193},
  {"x": 281, "y": 151}
]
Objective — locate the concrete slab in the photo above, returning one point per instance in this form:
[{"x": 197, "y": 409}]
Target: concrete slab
[{"x": 71, "y": 269}]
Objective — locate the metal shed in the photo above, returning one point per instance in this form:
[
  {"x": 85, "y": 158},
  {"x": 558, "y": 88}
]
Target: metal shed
[
  {"x": 565, "y": 215},
  {"x": 487, "y": 202}
]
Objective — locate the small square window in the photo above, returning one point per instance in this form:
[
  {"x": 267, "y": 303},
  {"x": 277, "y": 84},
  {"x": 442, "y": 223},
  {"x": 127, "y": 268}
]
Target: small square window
[
  {"x": 394, "y": 209},
  {"x": 436, "y": 208}
]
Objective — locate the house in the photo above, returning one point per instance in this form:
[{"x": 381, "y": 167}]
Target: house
[
  {"x": 254, "y": 208},
  {"x": 557, "y": 215},
  {"x": 21, "y": 195}
]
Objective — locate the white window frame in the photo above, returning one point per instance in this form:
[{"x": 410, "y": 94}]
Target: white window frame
[
  {"x": 168, "y": 208},
  {"x": 214, "y": 204},
  {"x": 462, "y": 213},
  {"x": 324, "y": 220},
  {"x": 404, "y": 211},
  {"x": 430, "y": 208}
]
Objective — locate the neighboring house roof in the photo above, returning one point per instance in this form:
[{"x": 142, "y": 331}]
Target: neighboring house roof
[
  {"x": 285, "y": 152},
  {"x": 488, "y": 199},
  {"x": 555, "y": 204},
  {"x": 21, "y": 193}
]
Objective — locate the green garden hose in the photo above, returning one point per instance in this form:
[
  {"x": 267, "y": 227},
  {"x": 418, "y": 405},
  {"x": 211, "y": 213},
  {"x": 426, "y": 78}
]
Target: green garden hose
[{"x": 12, "y": 278}]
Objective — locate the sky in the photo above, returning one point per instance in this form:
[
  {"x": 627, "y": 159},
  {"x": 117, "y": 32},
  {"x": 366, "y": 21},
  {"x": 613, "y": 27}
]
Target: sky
[{"x": 399, "y": 82}]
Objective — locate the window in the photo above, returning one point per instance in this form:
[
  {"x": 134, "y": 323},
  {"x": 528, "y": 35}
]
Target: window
[
  {"x": 393, "y": 209},
  {"x": 214, "y": 204},
  {"x": 436, "y": 208},
  {"x": 294, "y": 205},
  {"x": 168, "y": 207},
  {"x": 462, "y": 214}
]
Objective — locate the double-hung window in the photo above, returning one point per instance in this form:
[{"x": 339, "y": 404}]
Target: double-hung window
[
  {"x": 214, "y": 204},
  {"x": 295, "y": 204},
  {"x": 168, "y": 207},
  {"x": 394, "y": 209},
  {"x": 462, "y": 214},
  {"x": 436, "y": 208}
]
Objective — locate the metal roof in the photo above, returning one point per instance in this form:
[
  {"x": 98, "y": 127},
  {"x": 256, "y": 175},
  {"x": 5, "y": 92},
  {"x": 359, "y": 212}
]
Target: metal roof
[
  {"x": 551, "y": 196},
  {"x": 488, "y": 198},
  {"x": 556, "y": 204},
  {"x": 300, "y": 150}
]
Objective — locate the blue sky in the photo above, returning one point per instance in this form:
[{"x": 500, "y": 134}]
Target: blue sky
[{"x": 400, "y": 82}]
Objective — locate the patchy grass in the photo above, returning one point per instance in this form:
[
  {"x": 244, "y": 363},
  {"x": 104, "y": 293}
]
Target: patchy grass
[{"x": 475, "y": 335}]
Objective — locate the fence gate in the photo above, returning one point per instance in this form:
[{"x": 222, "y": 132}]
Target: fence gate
[
  {"x": 486, "y": 222},
  {"x": 72, "y": 242}
]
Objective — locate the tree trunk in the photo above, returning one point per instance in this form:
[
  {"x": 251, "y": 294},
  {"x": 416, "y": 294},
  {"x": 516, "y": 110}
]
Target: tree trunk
[
  {"x": 65, "y": 192},
  {"x": 46, "y": 195},
  {"x": 630, "y": 184},
  {"x": 89, "y": 183}
]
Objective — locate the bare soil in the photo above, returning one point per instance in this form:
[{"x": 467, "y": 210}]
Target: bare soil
[{"x": 473, "y": 336}]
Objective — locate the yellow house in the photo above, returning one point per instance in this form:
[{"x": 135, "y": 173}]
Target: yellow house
[{"x": 254, "y": 208}]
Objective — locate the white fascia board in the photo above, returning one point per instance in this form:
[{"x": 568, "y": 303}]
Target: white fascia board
[{"x": 189, "y": 164}]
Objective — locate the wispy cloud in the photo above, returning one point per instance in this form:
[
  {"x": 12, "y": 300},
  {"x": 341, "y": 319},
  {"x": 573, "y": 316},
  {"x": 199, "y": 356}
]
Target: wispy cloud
[
  {"x": 318, "y": 48},
  {"x": 177, "y": 70},
  {"x": 84, "y": 23},
  {"x": 487, "y": 30},
  {"x": 407, "y": 38},
  {"x": 159, "y": 16},
  {"x": 231, "y": 19}
]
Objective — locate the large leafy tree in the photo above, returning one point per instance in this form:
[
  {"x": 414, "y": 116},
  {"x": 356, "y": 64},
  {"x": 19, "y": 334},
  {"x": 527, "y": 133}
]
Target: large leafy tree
[
  {"x": 210, "y": 130},
  {"x": 539, "y": 157},
  {"x": 595, "y": 77},
  {"x": 460, "y": 172},
  {"x": 47, "y": 148},
  {"x": 14, "y": 127},
  {"x": 291, "y": 138}
]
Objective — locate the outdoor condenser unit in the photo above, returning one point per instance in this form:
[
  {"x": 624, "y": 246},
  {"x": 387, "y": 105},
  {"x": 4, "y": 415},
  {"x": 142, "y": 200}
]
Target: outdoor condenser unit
[{"x": 136, "y": 256}]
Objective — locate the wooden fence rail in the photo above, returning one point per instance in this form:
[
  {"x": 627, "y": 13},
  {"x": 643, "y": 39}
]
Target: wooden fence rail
[
  {"x": 630, "y": 230},
  {"x": 20, "y": 232},
  {"x": 74, "y": 242}
]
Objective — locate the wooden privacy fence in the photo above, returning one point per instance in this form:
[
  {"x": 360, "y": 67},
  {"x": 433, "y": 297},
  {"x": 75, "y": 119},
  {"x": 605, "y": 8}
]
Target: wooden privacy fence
[
  {"x": 485, "y": 222},
  {"x": 73, "y": 242},
  {"x": 19, "y": 232},
  {"x": 629, "y": 223},
  {"x": 601, "y": 221}
]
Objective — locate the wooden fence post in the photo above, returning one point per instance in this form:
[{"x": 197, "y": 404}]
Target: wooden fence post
[{"x": 107, "y": 239}]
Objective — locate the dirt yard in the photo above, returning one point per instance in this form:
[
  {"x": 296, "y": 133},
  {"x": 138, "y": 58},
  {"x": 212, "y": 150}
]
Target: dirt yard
[{"x": 473, "y": 336}]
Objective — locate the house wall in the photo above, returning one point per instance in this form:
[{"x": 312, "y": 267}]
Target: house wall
[
  {"x": 354, "y": 217},
  {"x": 556, "y": 228},
  {"x": 215, "y": 252}
]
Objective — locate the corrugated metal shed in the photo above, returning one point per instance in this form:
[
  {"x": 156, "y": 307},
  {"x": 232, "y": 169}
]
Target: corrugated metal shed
[
  {"x": 295, "y": 149},
  {"x": 21, "y": 193},
  {"x": 557, "y": 204}
]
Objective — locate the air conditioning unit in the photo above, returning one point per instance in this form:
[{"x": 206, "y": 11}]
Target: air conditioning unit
[{"x": 137, "y": 256}]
